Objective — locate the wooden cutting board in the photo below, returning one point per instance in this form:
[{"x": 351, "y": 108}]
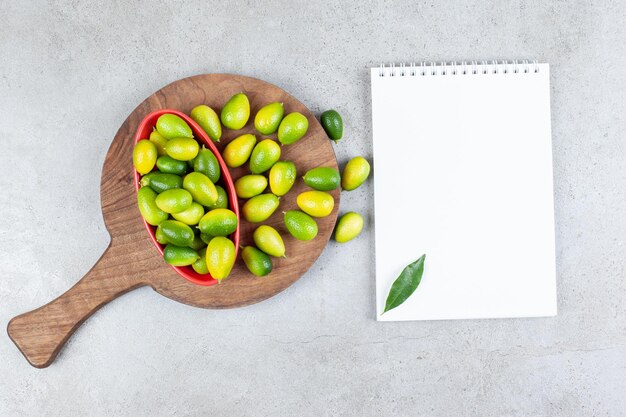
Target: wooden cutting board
[{"x": 132, "y": 261}]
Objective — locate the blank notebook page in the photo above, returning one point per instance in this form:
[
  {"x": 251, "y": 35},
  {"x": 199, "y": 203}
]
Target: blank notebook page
[{"x": 463, "y": 173}]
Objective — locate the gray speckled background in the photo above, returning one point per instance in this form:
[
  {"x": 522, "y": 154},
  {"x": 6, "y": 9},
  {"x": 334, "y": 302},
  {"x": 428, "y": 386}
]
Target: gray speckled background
[{"x": 70, "y": 72}]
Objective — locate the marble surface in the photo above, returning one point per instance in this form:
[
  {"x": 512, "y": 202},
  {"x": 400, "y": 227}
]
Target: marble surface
[{"x": 71, "y": 71}]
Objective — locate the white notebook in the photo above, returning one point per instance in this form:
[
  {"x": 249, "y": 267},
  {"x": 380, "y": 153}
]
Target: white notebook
[{"x": 463, "y": 174}]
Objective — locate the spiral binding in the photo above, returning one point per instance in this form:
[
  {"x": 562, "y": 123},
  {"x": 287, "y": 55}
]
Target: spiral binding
[{"x": 413, "y": 69}]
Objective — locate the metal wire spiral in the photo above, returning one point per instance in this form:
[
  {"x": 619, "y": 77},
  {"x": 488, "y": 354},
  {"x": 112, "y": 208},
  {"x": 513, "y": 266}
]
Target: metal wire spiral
[{"x": 424, "y": 69}]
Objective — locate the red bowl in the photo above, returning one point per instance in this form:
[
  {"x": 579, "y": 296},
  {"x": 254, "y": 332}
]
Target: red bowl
[{"x": 143, "y": 132}]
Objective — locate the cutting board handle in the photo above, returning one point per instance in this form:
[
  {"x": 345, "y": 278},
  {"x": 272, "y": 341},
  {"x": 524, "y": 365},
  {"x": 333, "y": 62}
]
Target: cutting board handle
[{"x": 41, "y": 333}]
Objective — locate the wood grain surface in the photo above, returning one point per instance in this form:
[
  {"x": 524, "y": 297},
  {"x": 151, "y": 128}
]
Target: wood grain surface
[{"x": 132, "y": 260}]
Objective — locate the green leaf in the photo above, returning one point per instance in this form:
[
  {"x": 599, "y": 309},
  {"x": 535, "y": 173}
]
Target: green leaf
[{"x": 405, "y": 284}]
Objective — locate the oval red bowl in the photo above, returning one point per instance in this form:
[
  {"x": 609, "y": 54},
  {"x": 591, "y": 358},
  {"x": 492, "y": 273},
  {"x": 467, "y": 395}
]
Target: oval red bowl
[{"x": 143, "y": 132}]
